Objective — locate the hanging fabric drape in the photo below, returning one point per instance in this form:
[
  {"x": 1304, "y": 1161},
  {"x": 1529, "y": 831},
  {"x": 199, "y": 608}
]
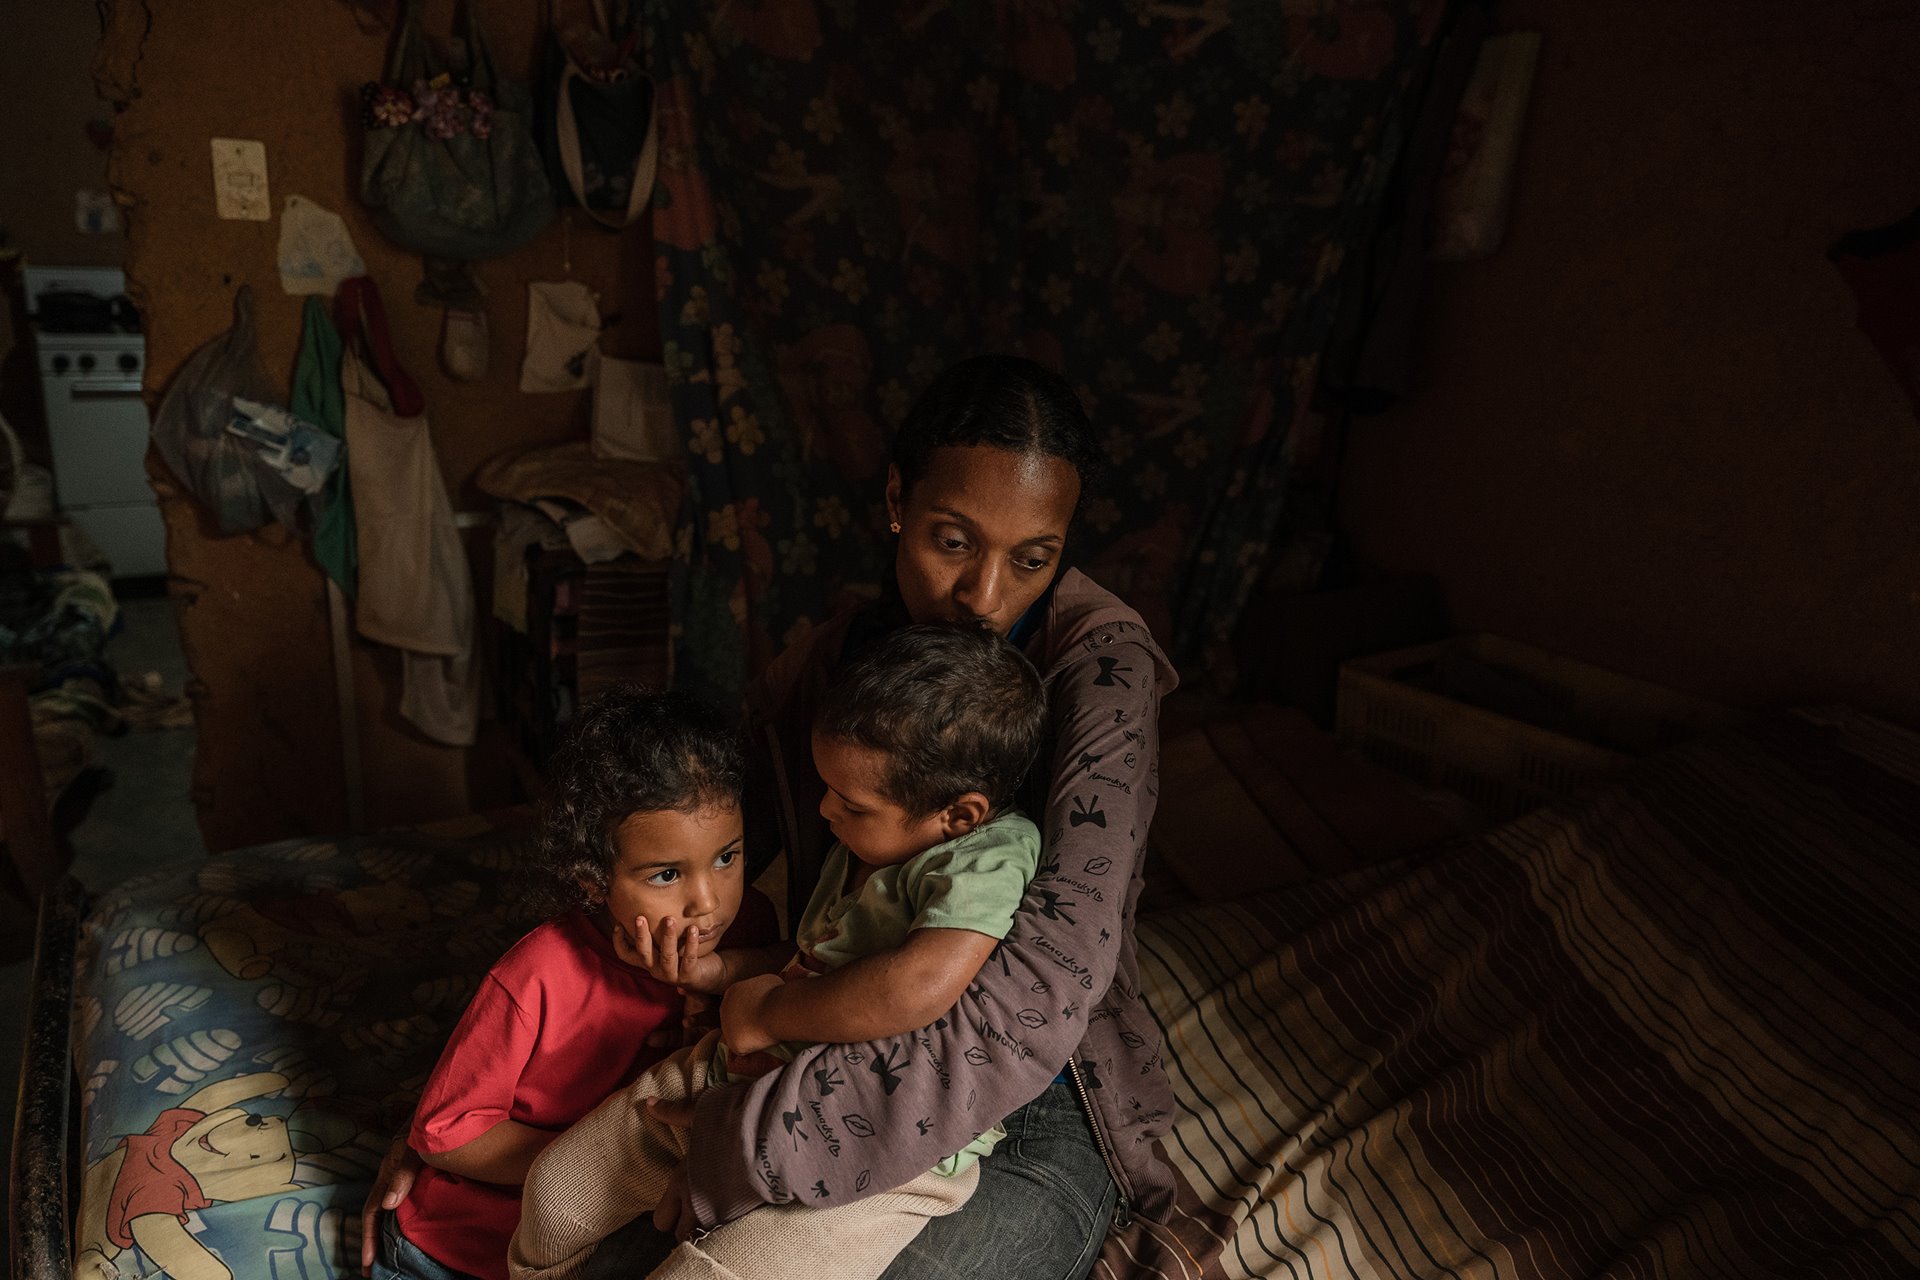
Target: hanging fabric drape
[{"x": 1157, "y": 201}]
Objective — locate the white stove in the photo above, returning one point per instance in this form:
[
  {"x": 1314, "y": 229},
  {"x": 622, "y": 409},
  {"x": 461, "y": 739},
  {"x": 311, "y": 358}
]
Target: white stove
[{"x": 97, "y": 423}]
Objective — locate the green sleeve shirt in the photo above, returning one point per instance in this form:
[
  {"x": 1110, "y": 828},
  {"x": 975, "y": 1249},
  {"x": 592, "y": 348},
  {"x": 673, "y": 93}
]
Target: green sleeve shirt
[{"x": 975, "y": 882}]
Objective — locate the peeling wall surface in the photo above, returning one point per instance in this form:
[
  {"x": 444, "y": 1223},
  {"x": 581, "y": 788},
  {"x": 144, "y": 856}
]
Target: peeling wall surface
[
  {"x": 254, "y": 616},
  {"x": 1648, "y": 432}
]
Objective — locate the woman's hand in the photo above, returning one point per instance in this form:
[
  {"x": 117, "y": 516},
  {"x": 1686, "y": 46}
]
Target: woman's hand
[
  {"x": 743, "y": 1014},
  {"x": 674, "y": 1214},
  {"x": 669, "y": 950},
  {"x": 398, "y": 1169}
]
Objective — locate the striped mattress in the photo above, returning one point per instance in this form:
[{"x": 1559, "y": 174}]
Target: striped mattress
[{"x": 1671, "y": 1031}]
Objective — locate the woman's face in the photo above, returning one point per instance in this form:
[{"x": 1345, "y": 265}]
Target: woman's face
[{"x": 981, "y": 533}]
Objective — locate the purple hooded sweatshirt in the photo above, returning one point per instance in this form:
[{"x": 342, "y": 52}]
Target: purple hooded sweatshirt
[{"x": 1061, "y": 994}]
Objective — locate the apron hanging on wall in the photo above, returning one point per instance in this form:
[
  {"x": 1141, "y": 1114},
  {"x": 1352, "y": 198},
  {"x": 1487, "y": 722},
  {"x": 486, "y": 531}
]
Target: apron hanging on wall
[{"x": 415, "y": 588}]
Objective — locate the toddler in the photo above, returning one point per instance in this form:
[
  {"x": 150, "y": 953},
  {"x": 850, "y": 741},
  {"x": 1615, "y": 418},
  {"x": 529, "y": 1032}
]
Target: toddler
[
  {"x": 643, "y": 820},
  {"x": 923, "y": 740}
]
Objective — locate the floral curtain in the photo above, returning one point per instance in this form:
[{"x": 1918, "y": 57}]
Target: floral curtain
[{"x": 1155, "y": 197}]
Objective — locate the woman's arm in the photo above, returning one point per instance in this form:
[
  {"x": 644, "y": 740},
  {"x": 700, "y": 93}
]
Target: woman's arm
[{"x": 844, "y": 1121}]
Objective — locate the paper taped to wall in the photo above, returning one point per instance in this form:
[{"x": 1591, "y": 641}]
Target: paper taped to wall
[{"x": 316, "y": 251}]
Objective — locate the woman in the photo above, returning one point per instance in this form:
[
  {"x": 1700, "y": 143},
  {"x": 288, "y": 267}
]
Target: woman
[{"x": 987, "y": 472}]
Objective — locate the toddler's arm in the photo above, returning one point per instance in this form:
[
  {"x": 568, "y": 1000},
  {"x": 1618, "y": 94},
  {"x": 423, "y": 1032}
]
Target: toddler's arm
[{"x": 889, "y": 993}]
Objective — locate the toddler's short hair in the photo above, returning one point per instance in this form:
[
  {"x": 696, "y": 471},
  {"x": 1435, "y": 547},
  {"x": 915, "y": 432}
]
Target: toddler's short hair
[
  {"x": 953, "y": 709},
  {"x": 630, "y": 750}
]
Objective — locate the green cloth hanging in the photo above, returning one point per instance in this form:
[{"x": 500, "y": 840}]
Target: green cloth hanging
[{"x": 317, "y": 399}]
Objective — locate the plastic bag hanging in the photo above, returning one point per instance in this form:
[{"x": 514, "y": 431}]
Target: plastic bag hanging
[{"x": 224, "y": 471}]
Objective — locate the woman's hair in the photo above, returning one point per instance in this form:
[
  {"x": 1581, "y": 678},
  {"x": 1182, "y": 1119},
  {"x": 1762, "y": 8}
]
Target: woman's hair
[
  {"x": 952, "y": 708},
  {"x": 629, "y": 751},
  {"x": 1003, "y": 401}
]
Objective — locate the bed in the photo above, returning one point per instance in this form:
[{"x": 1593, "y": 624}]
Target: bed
[
  {"x": 1673, "y": 1030},
  {"x": 1667, "y": 1031}
]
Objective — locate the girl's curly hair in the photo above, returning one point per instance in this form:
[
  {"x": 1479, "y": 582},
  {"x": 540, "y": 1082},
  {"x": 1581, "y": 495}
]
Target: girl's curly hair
[{"x": 630, "y": 750}]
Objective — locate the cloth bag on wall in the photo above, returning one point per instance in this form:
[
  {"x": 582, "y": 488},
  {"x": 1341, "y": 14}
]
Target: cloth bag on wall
[
  {"x": 563, "y": 337},
  {"x": 449, "y": 165},
  {"x": 595, "y": 116},
  {"x": 415, "y": 586}
]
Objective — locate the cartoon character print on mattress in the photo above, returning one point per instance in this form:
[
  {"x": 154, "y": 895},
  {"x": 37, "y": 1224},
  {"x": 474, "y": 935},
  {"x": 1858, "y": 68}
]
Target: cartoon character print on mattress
[
  {"x": 251, "y": 1029},
  {"x": 206, "y": 1150}
]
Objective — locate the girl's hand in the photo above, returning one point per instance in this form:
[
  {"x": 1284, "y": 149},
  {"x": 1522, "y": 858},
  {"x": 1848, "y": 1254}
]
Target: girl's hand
[
  {"x": 742, "y": 1014},
  {"x": 398, "y": 1169},
  {"x": 669, "y": 950}
]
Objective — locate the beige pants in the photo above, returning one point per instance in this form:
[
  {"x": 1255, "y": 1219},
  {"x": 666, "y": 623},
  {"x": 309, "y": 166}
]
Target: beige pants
[{"x": 613, "y": 1166}]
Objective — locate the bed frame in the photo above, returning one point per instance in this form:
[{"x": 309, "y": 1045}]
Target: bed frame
[{"x": 41, "y": 1190}]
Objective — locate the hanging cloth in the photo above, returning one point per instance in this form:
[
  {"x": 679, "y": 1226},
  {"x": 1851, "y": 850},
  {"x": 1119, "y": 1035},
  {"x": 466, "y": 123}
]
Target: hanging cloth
[
  {"x": 317, "y": 399},
  {"x": 415, "y": 586}
]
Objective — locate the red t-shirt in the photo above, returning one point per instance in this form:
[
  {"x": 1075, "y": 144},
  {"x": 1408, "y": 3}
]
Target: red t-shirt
[{"x": 559, "y": 1023}]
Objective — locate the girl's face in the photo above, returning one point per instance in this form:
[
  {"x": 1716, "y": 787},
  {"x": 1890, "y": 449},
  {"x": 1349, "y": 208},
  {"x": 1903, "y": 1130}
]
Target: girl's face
[
  {"x": 683, "y": 866},
  {"x": 981, "y": 533}
]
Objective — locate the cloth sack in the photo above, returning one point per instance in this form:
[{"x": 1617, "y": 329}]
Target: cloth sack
[
  {"x": 449, "y": 165},
  {"x": 563, "y": 335},
  {"x": 415, "y": 586},
  {"x": 632, "y": 414},
  {"x": 595, "y": 113},
  {"x": 222, "y": 470}
]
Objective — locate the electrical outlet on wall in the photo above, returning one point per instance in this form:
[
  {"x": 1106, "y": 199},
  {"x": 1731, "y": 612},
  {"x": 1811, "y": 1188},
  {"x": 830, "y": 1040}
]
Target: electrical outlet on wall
[
  {"x": 94, "y": 212},
  {"x": 240, "y": 179}
]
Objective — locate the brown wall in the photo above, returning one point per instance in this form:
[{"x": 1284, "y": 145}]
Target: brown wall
[
  {"x": 254, "y": 621},
  {"x": 1648, "y": 433},
  {"x": 46, "y": 51},
  {"x": 47, "y": 99}
]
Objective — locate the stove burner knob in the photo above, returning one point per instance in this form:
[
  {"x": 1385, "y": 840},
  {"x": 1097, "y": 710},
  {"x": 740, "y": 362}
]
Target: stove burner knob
[
  {"x": 60, "y": 364},
  {"x": 86, "y": 364},
  {"x": 129, "y": 362}
]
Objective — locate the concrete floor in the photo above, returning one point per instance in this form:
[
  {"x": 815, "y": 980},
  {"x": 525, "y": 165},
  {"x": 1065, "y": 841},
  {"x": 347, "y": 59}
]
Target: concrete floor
[{"x": 143, "y": 819}]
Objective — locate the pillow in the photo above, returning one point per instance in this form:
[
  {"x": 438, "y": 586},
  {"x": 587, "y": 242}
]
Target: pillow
[{"x": 1263, "y": 800}]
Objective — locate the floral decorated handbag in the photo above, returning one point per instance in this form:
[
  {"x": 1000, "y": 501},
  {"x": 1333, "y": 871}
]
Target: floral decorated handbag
[{"x": 449, "y": 166}]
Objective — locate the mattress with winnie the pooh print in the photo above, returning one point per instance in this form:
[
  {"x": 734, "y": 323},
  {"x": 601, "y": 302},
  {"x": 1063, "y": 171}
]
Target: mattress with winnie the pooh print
[{"x": 251, "y": 1030}]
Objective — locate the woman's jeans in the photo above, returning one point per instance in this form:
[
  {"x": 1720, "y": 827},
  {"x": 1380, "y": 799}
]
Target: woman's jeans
[{"x": 1040, "y": 1213}]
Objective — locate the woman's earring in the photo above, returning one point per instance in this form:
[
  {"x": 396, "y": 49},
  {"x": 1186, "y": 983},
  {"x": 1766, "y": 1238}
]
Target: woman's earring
[{"x": 893, "y": 526}]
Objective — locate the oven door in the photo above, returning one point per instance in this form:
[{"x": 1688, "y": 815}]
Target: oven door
[{"x": 97, "y": 427}]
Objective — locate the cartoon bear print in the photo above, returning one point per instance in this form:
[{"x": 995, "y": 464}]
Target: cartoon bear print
[
  {"x": 203, "y": 1152},
  {"x": 292, "y": 933}
]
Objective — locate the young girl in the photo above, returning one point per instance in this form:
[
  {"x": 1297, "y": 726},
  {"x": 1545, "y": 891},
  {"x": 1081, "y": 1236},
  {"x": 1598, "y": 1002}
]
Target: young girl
[{"x": 643, "y": 820}]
